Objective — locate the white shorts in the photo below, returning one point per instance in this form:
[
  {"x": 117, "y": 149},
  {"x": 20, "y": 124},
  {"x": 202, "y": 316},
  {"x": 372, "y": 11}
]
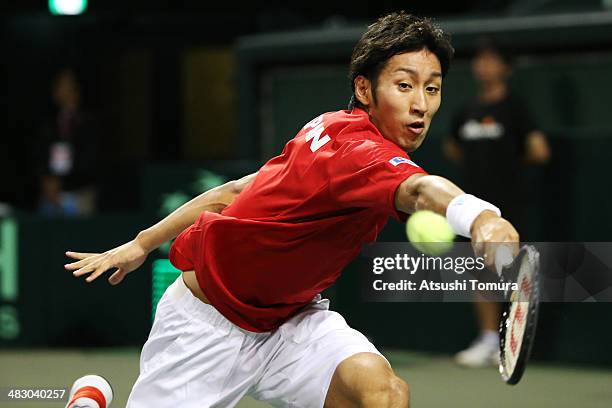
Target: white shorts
[{"x": 195, "y": 357}]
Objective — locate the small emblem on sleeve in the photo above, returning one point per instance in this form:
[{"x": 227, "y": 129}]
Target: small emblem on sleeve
[{"x": 399, "y": 160}]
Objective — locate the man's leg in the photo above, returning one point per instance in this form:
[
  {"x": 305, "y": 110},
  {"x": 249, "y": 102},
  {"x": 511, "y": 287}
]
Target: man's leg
[
  {"x": 190, "y": 357},
  {"x": 322, "y": 362},
  {"x": 365, "y": 380},
  {"x": 488, "y": 314},
  {"x": 484, "y": 350}
]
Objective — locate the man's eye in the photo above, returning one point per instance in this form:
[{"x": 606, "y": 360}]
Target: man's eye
[
  {"x": 404, "y": 85},
  {"x": 433, "y": 89}
]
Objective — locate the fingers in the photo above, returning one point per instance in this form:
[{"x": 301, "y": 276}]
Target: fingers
[
  {"x": 515, "y": 247},
  {"x": 117, "y": 277},
  {"x": 124, "y": 259},
  {"x": 490, "y": 237},
  {"x": 85, "y": 270},
  {"x": 80, "y": 264},
  {"x": 85, "y": 259},
  {"x": 98, "y": 271},
  {"x": 489, "y": 255},
  {"x": 79, "y": 255},
  {"x": 91, "y": 263},
  {"x": 479, "y": 247}
]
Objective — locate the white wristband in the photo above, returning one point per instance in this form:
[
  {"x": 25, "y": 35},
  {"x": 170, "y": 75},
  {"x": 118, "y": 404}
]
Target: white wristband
[{"x": 463, "y": 210}]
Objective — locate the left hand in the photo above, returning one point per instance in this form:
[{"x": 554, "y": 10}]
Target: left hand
[{"x": 124, "y": 258}]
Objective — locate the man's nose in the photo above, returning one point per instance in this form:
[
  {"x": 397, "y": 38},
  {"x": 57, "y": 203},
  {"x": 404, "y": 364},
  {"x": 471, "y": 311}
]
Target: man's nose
[{"x": 418, "y": 104}]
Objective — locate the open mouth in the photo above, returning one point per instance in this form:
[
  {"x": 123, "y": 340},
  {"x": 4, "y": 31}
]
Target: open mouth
[{"x": 417, "y": 127}]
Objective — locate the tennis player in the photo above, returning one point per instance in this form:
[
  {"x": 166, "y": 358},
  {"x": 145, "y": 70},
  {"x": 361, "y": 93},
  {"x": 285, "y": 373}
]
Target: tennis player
[{"x": 245, "y": 317}]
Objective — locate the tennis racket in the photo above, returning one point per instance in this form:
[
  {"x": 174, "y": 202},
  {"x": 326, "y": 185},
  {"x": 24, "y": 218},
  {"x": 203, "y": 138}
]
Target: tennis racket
[{"x": 520, "y": 314}]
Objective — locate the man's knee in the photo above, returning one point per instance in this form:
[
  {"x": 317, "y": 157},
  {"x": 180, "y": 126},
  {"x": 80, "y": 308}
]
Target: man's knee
[
  {"x": 366, "y": 380},
  {"x": 390, "y": 392},
  {"x": 400, "y": 390}
]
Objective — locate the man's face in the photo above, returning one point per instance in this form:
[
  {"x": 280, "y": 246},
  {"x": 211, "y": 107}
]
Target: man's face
[
  {"x": 408, "y": 95},
  {"x": 65, "y": 89},
  {"x": 489, "y": 67}
]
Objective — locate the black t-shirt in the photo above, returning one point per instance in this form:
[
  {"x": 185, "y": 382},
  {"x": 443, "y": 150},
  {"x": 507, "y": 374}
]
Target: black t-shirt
[
  {"x": 492, "y": 137},
  {"x": 74, "y": 156}
]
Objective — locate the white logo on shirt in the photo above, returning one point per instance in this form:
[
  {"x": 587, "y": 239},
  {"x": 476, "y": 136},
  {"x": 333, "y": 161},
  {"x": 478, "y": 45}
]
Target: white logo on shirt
[
  {"x": 474, "y": 130},
  {"x": 399, "y": 160},
  {"x": 316, "y": 126}
]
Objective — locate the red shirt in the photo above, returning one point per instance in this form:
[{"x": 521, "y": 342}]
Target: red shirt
[{"x": 288, "y": 235}]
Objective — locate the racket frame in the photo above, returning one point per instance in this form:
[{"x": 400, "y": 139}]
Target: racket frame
[{"x": 513, "y": 378}]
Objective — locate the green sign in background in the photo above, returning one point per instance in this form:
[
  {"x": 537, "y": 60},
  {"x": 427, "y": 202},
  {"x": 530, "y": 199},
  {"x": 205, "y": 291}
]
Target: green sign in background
[
  {"x": 163, "y": 276},
  {"x": 9, "y": 317}
]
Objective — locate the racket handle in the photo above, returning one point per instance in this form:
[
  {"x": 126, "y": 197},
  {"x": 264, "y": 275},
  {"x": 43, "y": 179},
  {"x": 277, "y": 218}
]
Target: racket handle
[{"x": 503, "y": 257}]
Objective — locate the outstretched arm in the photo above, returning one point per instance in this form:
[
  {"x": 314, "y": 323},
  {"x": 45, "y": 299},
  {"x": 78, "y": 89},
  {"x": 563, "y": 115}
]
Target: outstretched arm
[
  {"x": 427, "y": 192},
  {"x": 213, "y": 200},
  {"x": 131, "y": 255}
]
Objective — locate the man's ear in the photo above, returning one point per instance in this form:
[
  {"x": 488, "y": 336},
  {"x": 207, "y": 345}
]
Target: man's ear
[{"x": 363, "y": 90}]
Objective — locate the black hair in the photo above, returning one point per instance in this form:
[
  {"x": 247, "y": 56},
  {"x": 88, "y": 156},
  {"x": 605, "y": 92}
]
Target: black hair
[
  {"x": 489, "y": 45},
  {"x": 393, "y": 34}
]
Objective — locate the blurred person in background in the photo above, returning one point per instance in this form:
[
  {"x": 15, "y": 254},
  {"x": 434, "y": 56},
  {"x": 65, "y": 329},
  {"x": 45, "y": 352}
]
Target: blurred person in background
[
  {"x": 493, "y": 137},
  {"x": 66, "y": 153}
]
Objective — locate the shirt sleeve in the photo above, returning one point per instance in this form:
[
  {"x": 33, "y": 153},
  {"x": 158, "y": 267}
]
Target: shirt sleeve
[{"x": 368, "y": 175}]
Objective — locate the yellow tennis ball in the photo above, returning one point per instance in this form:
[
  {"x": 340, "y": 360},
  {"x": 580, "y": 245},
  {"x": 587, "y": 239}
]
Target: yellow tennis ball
[{"x": 430, "y": 233}]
